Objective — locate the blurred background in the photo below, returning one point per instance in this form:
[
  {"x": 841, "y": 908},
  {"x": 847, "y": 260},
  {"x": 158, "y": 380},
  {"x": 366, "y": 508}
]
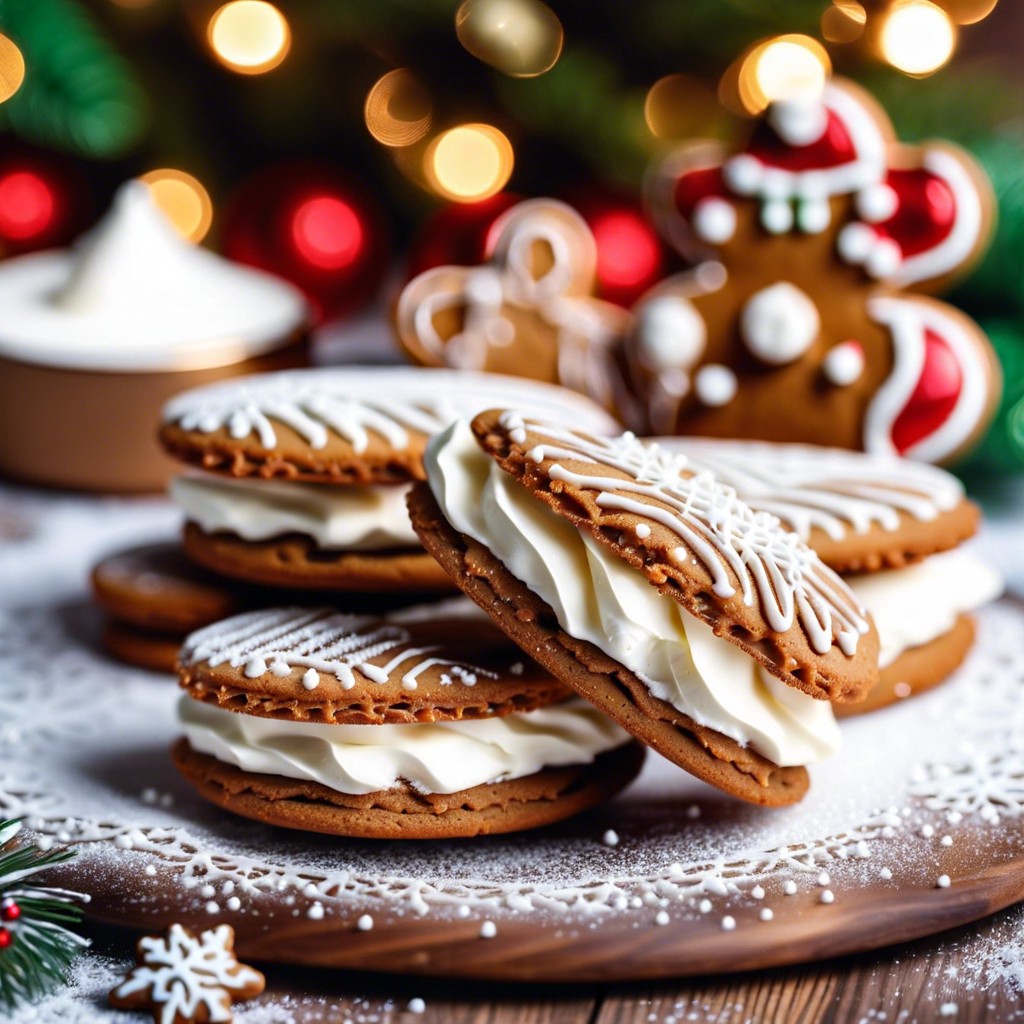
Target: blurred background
[{"x": 346, "y": 145}]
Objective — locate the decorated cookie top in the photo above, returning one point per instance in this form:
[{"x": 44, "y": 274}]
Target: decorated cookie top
[
  {"x": 345, "y": 425},
  {"x": 430, "y": 663},
  {"x": 528, "y": 310},
  {"x": 134, "y": 296},
  {"x": 858, "y": 511},
  {"x": 796, "y": 323},
  {"x": 754, "y": 582}
]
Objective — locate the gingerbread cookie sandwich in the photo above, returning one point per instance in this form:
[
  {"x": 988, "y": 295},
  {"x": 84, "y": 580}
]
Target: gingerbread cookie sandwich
[
  {"x": 704, "y": 628},
  {"x": 300, "y": 478},
  {"x": 421, "y": 724},
  {"x": 802, "y": 318},
  {"x": 893, "y": 527}
]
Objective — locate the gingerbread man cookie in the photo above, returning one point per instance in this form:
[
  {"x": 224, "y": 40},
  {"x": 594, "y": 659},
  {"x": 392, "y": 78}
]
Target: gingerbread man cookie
[
  {"x": 802, "y": 319},
  {"x": 529, "y": 311}
]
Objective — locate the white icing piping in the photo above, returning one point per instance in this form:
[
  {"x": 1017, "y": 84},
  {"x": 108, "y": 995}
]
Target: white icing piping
[{"x": 727, "y": 536}]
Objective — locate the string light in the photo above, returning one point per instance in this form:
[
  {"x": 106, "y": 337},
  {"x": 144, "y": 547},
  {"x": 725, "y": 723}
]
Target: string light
[
  {"x": 917, "y": 37},
  {"x": 27, "y": 205},
  {"x": 397, "y": 109},
  {"x": 844, "y": 21},
  {"x": 183, "y": 199},
  {"x": 12, "y": 68},
  {"x": 249, "y": 36},
  {"x": 327, "y": 232},
  {"x": 469, "y": 163}
]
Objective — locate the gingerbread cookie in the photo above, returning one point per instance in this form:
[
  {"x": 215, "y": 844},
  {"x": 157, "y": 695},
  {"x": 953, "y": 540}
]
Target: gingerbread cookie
[
  {"x": 797, "y": 322},
  {"x": 184, "y": 977},
  {"x": 304, "y": 474},
  {"x": 653, "y": 592},
  {"x": 893, "y": 525},
  {"x": 425, "y": 723},
  {"x": 529, "y": 310},
  {"x": 144, "y": 648}
]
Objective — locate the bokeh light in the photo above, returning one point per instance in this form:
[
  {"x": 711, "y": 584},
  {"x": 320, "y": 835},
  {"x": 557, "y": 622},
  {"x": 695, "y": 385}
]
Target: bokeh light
[
  {"x": 784, "y": 68},
  {"x": 327, "y": 232},
  {"x": 627, "y": 249},
  {"x": 27, "y": 205},
  {"x": 681, "y": 106},
  {"x": 183, "y": 199},
  {"x": 844, "y": 21},
  {"x": 12, "y": 68},
  {"x": 523, "y": 38},
  {"x": 968, "y": 12},
  {"x": 397, "y": 109},
  {"x": 917, "y": 37},
  {"x": 469, "y": 163},
  {"x": 249, "y": 36}
]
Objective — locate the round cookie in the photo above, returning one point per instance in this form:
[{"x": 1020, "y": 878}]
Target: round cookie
[
  {"x": 141, "y": 647},
  {"x": 859, "y": 512},
  {"x": 426, "y": 723},
  {"x": 756, "y": 585}
]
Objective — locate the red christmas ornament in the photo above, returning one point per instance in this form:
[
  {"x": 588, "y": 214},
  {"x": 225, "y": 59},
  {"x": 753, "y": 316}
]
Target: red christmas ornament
[
  {"x": 630, "y": 256},
  {"x": 9, "y": 910},
  {"x": 456, "y": 235},
  {"x": 311, "y": 224},
  {"x": 43, "y": 203},
  {"x": 6, "y": 938}
]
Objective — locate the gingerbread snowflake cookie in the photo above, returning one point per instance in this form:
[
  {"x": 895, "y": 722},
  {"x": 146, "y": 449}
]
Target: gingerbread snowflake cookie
[
  {"x": 528, "y": 311},
  {"x": 183, "y": 976},
  {"x": 799, "y": 321}
]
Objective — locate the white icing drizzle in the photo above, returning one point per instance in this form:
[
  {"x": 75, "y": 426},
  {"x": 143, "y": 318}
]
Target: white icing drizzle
[
  {"x": 771, "y": 565},
  {"x": 323, "y": 641},
  {"x": 829, "y": 489},
  {"x": 354, "y": 402}
]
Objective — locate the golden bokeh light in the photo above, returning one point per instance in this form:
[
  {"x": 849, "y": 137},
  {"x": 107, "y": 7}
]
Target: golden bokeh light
[
  {"x": 681, "y": 106},
  {"x": 12, "y": 68},
  {"x": 469, "y": 163},
  {"x": 844, "y": 21},
  {"x": 183, "y": 199},
  {"x": 523, "y": 38},
  {"x": 917, "y": 37},
  {"x": 398, "y": 109},
  {"x": 790, "y": 67},
  {"x": 968, "y": 12},
  {"x": 249, "y": 36}
]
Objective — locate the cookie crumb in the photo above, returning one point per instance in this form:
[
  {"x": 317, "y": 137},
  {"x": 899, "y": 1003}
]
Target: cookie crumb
[
  {"x": 365, "y": 923},
  {"x": 488, "y": 930}
]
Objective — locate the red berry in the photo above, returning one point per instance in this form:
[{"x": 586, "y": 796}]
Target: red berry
[
  {"x": 6, "y": 938},
  {"x": 9, "y": 910}
]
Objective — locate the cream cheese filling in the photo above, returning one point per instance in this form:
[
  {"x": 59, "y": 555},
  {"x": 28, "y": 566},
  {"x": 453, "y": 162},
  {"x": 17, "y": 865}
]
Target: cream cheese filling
[
  {"x": 918, "y": 603},
  {"x": 432, "y": 757},
  {"x": 599, "y": 598},
  {"x": 349, "y": 518}
]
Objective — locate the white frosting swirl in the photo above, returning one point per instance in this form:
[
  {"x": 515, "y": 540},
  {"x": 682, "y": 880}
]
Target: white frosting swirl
[
  {"x": 918, "y": 603},
  {"x": 597, "y": 597},
  {"x": 349, "y": 518},
  {"x": 134, "y": 296},
  {"x": 432, "y": 757}
]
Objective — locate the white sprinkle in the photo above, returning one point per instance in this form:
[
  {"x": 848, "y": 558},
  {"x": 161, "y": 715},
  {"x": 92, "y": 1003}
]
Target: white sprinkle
[
  {"x": 416, "y": 1005},
  {"x": 728, "y": 923},
  {"x": 661, "y": 917},
  {"x": 949, "y": 1009},
  {"x": 946, "y": 840},
  {"x": 316, "y": 912},
  {"x": 311, "y": 679},
  {"x": 885, "y": 873},
  {"x": 643, "y": 531},
  {"x": 464, "y": 911},
  {"x": 927, "y": 831},
  {"x": 212, "y": 907},
  {"x": 827, "y": 896},
  {"x": 823, "y": 878},
  {"x": 234, "y": 903},
  {"x": 207, "y": 892},
  {"x": 488, "y": 930},
  {"x": 610, "y": 838},
  {"x": 365, "y": 923},
  {"x": 789, "y": 888},
  {"x": 943, "y": 881},
  {"x": 151, "y": 870},
  {"x": 766, "y": 913},
  {"x": 757, "y": 892},
  {"x": 704, "y": 906}
]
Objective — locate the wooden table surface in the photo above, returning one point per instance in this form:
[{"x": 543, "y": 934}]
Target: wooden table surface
[{"x": 932, "y": 981}]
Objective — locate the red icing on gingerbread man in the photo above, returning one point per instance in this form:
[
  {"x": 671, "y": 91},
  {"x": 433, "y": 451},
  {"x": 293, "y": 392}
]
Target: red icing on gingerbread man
[{"x": 797, "y": 322}]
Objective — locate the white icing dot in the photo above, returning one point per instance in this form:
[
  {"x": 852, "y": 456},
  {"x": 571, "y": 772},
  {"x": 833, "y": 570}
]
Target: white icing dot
[
  {"x": 877, "y": 202},
  {"x": 779, "y": 324},
  {"x": 464, "y": 911},
  {"x": 789, "y": 887},
  {"x": 766, "y": 913},
  {"x": 777, "y": 216},
  {"x": 316, "y": 912},
  {"x": 855, "y": 242},
  {"x": 151, "y": 870},
  {"x": 902, "y": 690},
  {"x": 715, "y": 384},
  {"x": 844, "y": 363},
  {"x": 207, "y": 891},
  {"x": 946, "y": 840},
  {"x": 704, "y": 906},
  {"x": 212, "y": 907},
  {"x": 885, "y": 873},
  {"x": 610, "y": 838},
  {"x": 949, "y": 1009},
  {"x": 757, "y": 892},
  {"x": 124, "y": 842},
  {"x": 927, "y": 831},
  {"x": 280, "y": 668},
  {"x": 827, "y": 896},
  {"x": 813, "y": 215},
  {"x": 409, "y": 684},
  {"x": 365, "y": 923},
  {"x": 799, "y": 122},
  {"x": 234, "y": 903},
  {"x": 743, "y": 173},
  {"x": 714, "y": 220},
  {"x": 255, "y": 667},
  {"x": 728, "y": 923},
  {"x": 943, "y": 881},
  {"x": 416, "y": 1005},
  {"x": 711, "y": 275},
  {"x": 823, "y": 878},
  {"x": 884, "y": 259},
  {"x": 661, "y": 917},
  {"x": 671, "y": 333},
  {"x": 311, "y": 679},
  {"x": 643, "y": 531},
  {"x": 488, "y": 930}
]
